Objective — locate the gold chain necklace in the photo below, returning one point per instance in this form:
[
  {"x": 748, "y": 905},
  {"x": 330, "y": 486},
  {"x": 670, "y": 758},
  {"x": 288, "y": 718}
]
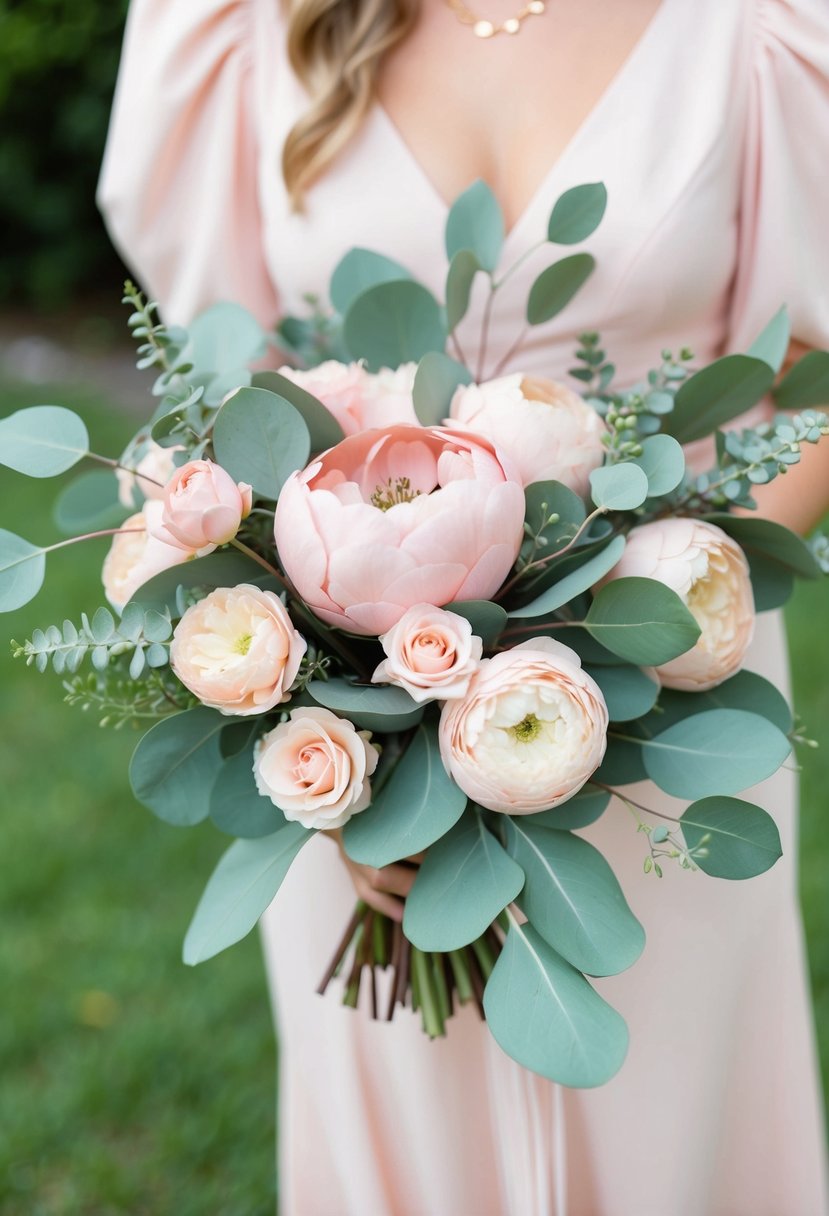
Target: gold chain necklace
[{"x": 482, "y": 28}]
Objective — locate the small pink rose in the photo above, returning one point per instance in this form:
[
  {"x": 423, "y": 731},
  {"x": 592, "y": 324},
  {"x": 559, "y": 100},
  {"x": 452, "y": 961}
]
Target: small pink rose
[
  {"x": 431, "y": 653},
  {"x": 203, "y": 507},
  {"x": 315, "y": 768}
]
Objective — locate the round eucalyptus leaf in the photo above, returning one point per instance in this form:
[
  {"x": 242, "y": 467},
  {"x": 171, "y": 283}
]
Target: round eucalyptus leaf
[
  {"x": 582, "y": 809},
  {"x": 323, "y": 428},
  {"x": 368, "y": 706},
  {"x": 773, "y": 343},
  {"x": 394, "y": 323},
  {"x": 236, "y": 806},
  {"x": 241, "y": 887},
  {"x": 43, "y": 440},
  {"x": 224, "y": 338},
  {"x": 22, "y": 570},
  {"x": 628, "y": 691},
  {"x": 89, "y": 503},
  {"x": 487, "y": 619},
  {"x": 436, "y": 379},
  {"x": 555, "y": 287},
  {"x": 716, "y": 394},
  {"x": 475, "y": 222},
  {"x": 224, "y": 568},
  {"x": 741, "y": 839},
  {"x": 719, "y": 751},
  {"x": 619, "y": 487},
  {"x": 642, "y": 621},
  {"x": 577, "y": 214},
  {"x": 746, "y": 690},
  {"x": 663, "y": 463},
  {"x": 175, "y": 764},
  {"x": 260, "y": 438},
  {"x": 459, "y": 279},
  {"x": 770, "y": 540},
  {"x": 581, "y": 579},
  {"x": 547, "y": 1017},
  {"x": 358, "y": 270}
]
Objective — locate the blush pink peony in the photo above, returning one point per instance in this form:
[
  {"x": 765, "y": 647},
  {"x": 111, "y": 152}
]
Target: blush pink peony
[
  {"x": 431, "y": 653},
  {"x": 529, "y": 732},
  {"x": 547, "y": 431},
  {"x": 136, "y": 555},
  {"x": 392, "y": 518},
  {"x": 202, "y": 507},
  {"x": 360, "y": 400},
  {"x": 709, "y": 572},
  {"x": 237, "y": 650}
]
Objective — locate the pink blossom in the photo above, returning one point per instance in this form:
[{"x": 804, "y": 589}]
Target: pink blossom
[
  {"x": 202, "y": 507},
  {"x": 360, "y": 400}
]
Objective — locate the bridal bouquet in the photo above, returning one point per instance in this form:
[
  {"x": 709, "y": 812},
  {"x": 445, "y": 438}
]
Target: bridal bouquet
[{"x": 449, "y": 614}]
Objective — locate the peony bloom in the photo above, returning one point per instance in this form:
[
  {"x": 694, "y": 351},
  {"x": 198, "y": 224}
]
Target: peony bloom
[
  {"x": 529, "y": 732},
  {"x": 398, "y": 517},
  {"x": 237, "y": 650},
  {"x": 358, "y": 399},
  {"x": 548, "y": 432},
  {"x": 709, "y": 571},
  {"x": 203, "y": 507},
  {"x": 431, "y": 653},
  {"x": 315, "y": 768},
  {"x": 153, "y": 470},
  {"x": 135, "y": 555}
]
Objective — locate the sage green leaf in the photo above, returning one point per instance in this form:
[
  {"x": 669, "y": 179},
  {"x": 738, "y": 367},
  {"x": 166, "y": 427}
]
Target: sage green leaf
[
  {"x": 394, "y": 323},
  {"x": 224, "y": 568},
  {"x": 745, "y": 690},
  {"x": 464, "y": 882},
  {"x": 22, "y": 571},
  {"x": 236, "y": 806},
  {"x": 43, "y": 440},
  {"x": 383, "y": 707},
  {"x": 574, "y": 584},
  {"x": 629, "y": 693},
  {"x": 435, "y": 381},
  {"x": 545, "y": 499},
  {"x": 772, "y": 344},
  {"x": 663, "y": 463},
  {"x": 475, "y": 222},
  {"x": 545, "y": 1015},
  {"x": 555, "y": 287},
  {"x": 323, "y": 428},
  {"x": 487, "y": 619},
  {"x": 806, "y": 384},
  {"x": 772, "y": 584},
  {"x": 418, "y": 804},
  {"x": 577, "y": 214},
  {"x": 642, "y": 621},
  {"x": 719, "y": 751},
  {"x": 623, "y": 763},
  {"x": 619, "y": 487},
  {"x": 260, "y": 438},
  {"x": 572, "y": 898},
  {"x": 89, "y": 503},
  {"x": 459, "y": 279},
  {"x": 224, "y": 339},
  {"x": 173, "y": 768},
  {"x": 716, "y": 394},
  {"x": 241, "y": 887},
  {"x": 359, "y": 270},
  {"x": 769, "y": 539},
  {"x": 582, "y": 809},
  {"x": 741, "y": 839}
]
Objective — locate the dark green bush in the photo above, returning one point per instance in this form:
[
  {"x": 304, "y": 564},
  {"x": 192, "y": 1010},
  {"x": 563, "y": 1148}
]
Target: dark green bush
[{"x": 58, "y": 63}]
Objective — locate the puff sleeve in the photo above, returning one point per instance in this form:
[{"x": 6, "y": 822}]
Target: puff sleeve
[
  {"x": 784, "y": 216},
  {"x": 178, "y": 185}
]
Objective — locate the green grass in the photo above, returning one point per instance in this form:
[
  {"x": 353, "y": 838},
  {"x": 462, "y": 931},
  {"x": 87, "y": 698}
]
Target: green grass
[{"x": 131, "y": 1084}]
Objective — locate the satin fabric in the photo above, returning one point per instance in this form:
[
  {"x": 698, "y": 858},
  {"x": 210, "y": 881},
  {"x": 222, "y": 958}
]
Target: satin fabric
[{"x": 712, "y": 140}]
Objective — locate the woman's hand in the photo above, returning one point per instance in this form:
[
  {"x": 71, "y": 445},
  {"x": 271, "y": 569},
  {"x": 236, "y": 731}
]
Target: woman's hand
[{"x": 382, "y": 889}]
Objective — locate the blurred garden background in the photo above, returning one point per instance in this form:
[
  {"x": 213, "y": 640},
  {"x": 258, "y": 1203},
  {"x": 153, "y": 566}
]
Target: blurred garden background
[{"x": 129, "y": 1083}]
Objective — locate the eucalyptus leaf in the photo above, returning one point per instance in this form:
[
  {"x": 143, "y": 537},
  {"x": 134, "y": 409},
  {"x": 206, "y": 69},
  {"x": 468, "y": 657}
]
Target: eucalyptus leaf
[
  {"x": 773, "y": 343},
  {"x": 22, "y": 571},
  {"x": 175, "y": 764},
  {"x": 741, "y": 839},
  {"x": 663, "y": 463},
  {"x": 89, "y": 503},
  {"x": 236, "y": 806},
  {"x": 619, "y": 487},
  {"x": 436, "y": 379},
  {"x": 582, "y": 809},
  {"x": 547, "y": 1017},
  {"x": 241, "y": 887},
  {"x": 224, "y": 568},
  {"x": 555, "y": 287},
  {"x": 577, "y": 214},
  {"x": 358, "y": 270},
  {"x": 642, "y": 621},
  {"x": 806, "y": 384},
  {"x": 771, "y": 540},
  {"x": 323, "y": 428},
  {"x": 43, "y": 440},
  {"x": 224, "y": 339},
  {"x": 746, "y": 690},
  {"x": 716, "y": 394},
  {"x": 459, "y": 279},
  {"x": 369, "y": 706},
  {"x": 545, "y": 499},
  {"x": 394, "y": 323},
  {"x": 475, "y": 222},
  {"x": 487, "y": 619},
  {"x": 260, "y": 438},
  {"x": 628, "y": 691},
  {"x": 582, "y": 579}
]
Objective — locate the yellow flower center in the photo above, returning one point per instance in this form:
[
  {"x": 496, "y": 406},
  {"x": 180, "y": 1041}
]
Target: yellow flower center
[
  {"x": 392, "y": 493},
  {"x": 526, "y": 730},
  {"x": 242, "y": 644}
]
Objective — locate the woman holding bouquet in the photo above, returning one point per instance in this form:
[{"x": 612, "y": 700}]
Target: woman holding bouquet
[{"x": 251, "y": 146}]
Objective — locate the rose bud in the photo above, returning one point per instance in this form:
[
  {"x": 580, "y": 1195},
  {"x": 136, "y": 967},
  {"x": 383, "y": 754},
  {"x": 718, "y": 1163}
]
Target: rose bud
[{"x": 203, "y": 507}]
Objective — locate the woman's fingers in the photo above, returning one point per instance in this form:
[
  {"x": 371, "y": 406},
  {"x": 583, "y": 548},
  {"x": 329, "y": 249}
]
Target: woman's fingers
[
  {"x": 395, "y": 879},
  {"x": 380, "y": 901}
]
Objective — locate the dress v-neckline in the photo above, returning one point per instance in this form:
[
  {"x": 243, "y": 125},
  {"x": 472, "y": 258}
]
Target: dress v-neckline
[{"x": 602, "y": 102}]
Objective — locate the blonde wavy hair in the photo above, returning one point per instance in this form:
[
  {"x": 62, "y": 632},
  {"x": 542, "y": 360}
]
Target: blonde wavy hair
[{"x": 335, "y": 48}]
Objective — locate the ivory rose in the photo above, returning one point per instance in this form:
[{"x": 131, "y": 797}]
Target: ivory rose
[
  {"x": 431, "y": 653},
  {"x": 529, "y": 732},
  {"x": 396, "y": 517},
  {"x": 548, "y": 432},
  {"x": 135, "y": 555},
  {"x": 315, "y": 768},
  {"x": 237, "y": 650},
  {"x": 153, "y": 467},
  {"x": 202, "y": 507},
  {"x": 358, "y": 399},
  {"x": 709, "y": 571}
]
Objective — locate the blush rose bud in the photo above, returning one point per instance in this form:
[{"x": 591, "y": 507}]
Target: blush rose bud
[
  {"x": 709, "y": 572},
  {"x": 431, "y": 653},
  {"x": 203, "y": 507},
  {"x": 237, "y": 650},
  {"x": 315, "y": 768}
]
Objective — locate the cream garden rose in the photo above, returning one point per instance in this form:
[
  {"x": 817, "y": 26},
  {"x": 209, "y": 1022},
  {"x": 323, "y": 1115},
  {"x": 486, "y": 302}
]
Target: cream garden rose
[
  {"x": 529, "y": 732},
  {"x": 431, "y": 653},
  {"x": 203, "y": 507},
  {"x": 315, "y": 768},
  {"x": 709, "y": 572},
  {"x": 152, "y": 471},
  {"x": 237, "y": 650},
  {"x": 358, "y": 399},
  {"x": 135, "y": 555}
]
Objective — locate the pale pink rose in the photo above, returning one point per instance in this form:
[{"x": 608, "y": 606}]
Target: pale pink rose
[
  {"x": 709, "y": 572},
  {"x": 548, "y": 432},
  {"x": 237, "y": 650},
  {"x": 135, "y": 556},
  {"x": 151, "y": 473},
  {"x": 431, "y": 653},
  {"x": 529, "y": 732},
  {"x": 315, "y": 768},
  {"x": 359, "y": 400},
  {"x": 392, "y": 518},
  {"x": 202, "y": 507}
]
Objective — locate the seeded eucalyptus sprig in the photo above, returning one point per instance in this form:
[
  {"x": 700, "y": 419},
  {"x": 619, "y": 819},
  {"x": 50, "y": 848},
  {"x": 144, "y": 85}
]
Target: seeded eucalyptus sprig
[
  {"x": 119, "y": 699},
  {"x": 142, "y": 632}
]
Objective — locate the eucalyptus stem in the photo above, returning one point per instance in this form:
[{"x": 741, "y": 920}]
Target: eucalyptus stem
[
  {"x": 423, "y": 979},
  {"x": 266, "y": 565}
]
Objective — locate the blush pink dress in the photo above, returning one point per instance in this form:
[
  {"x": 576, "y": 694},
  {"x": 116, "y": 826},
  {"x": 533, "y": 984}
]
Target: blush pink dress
[{"x": 713, "y": 140}]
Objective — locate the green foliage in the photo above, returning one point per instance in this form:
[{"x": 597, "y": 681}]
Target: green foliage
[
  {"x": 641, "y": 621},
  {"x": 260, "y": 438},
  {"x": 663, "y": 462},
  {"x": 370, "y": 707},
  {"x": 43, "y": 440},
  {"x": 323, "y": 428},
  {"x": 174, "y": 766},
  {"x": 436, "y": 379},
  {"x": 730, "y": 838},
  {"x": 577, "y": 214},
  {"x": 806, "y": 384},
  {"x": 394, "y": 323},
  {"x": 716, "y": 394},
  {"x": 619, "y": 487},
  {"x": 22, "y": 570},
  {"x": 236, "y": 806},
  {"x": 629, "y": 693},
  {"x": 487, "y": 619},
  {"x": 772, "y": 344},
  {"x": 224, "y": 568},
  {"x": 358, "y": 270},
  {"x": 573, "y": 584},
  {"x": 89, "y": 503},
  {"x": 459, "y": 279},
  {"x": 142, "y": 633},
  {"x": 475, "y": 222},
  {"x": 555, "y": 287},
  {"x": 582, "y": 809},
  {"x": 117, "y": 700}
]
